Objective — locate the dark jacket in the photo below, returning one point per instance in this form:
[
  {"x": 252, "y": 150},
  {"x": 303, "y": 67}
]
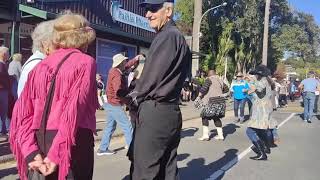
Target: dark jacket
[
  {"x": 168, "y": 63},
  {"x": 4, "y": 76}
]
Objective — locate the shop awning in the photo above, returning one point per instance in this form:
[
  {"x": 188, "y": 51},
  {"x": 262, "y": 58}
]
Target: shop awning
[
  {"x": 37, "y": 12},
  {"x": 48, "y": 15}
]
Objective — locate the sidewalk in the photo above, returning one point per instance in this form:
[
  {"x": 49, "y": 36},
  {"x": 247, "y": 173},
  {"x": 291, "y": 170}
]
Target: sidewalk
[{"x": 187, "y": 109}]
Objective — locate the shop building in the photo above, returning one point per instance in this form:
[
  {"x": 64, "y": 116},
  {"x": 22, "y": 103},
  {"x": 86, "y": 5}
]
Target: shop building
[{"x": 120, "y": 26}]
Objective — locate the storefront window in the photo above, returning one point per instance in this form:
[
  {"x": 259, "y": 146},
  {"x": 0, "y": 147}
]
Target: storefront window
[{"x": 106, "y": 49}]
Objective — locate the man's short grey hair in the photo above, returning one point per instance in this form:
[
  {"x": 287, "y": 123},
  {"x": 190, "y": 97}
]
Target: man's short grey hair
[
  {"x": 4, "y": 50},
  {"x": 42, "y": 33},
  {"x": 169, "y": 5}
]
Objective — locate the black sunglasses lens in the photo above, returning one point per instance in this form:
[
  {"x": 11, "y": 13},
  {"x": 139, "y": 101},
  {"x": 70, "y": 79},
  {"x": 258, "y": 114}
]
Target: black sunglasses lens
[{"x": 153, "y": 8}]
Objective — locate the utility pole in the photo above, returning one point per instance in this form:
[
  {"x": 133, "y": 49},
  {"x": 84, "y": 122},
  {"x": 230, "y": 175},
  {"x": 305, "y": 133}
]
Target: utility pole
[
  {"x": 266, "y": 33},
  {"x": 195, "y": 34}
]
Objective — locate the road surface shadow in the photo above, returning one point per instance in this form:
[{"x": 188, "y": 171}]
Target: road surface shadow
[
  {"x": 227, "y": 130},
  {"x": 8, "y": 172},
  {"x": 182, "y": 157},
  {"x": 188, "y": 132},
  {"x": 204, "y": 171},
  {"x": 4, "y": 148}
]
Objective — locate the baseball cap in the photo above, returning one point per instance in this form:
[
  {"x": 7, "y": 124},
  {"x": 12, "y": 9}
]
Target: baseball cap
[{"x": 155, "y": 2}]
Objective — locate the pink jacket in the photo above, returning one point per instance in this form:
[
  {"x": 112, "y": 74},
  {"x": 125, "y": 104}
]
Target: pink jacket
[{"x": 74, "y": 105}]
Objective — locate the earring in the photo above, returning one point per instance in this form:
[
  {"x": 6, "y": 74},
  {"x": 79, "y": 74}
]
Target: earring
[{"x": 47, "y": 51}]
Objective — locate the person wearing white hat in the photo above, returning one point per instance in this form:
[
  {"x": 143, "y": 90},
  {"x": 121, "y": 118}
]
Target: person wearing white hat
[{"x": 116, "y": 90}]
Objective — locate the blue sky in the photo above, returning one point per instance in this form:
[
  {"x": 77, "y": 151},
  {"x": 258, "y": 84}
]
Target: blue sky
[{"x": 308, "y": 6}]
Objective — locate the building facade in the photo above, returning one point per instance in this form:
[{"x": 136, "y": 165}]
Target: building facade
[{"x": 120, "y": 26}]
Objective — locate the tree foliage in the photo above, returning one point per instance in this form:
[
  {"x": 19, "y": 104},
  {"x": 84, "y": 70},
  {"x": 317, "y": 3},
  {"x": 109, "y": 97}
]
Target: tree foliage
[{"x": 291, "y": 34}]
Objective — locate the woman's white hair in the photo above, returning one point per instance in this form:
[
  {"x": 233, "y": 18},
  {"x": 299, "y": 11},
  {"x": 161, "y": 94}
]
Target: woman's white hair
[
  {"x": 169, "y": 5},
  {"x": 42, "y": 33},
  {"x": 3, "y": 50}
]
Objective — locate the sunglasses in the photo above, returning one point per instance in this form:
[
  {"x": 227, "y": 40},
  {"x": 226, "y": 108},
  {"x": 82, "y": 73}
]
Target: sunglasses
[{"x": 153, "y": 8}]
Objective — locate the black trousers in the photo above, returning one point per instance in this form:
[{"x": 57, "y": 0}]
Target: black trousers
[
  {"x": 155, "y": 142},
  {"x": 217, "y": 121},
  {"x": 283, "y": 99}
]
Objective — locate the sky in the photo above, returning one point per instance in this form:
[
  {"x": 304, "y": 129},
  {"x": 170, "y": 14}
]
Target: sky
[{"x": 308, "y": 6}]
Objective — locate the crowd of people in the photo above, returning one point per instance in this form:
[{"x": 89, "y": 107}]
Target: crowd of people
[{"x": 57, "y": 91}]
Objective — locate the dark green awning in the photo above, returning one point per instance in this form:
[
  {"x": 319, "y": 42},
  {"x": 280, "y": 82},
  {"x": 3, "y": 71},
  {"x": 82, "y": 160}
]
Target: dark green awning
[{"x": 48, "y": 15}]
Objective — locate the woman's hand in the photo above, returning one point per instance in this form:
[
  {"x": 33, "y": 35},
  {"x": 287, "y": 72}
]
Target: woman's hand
[
  {"x": 37, "y": 163},
  {"x": 48, "y": 168}
]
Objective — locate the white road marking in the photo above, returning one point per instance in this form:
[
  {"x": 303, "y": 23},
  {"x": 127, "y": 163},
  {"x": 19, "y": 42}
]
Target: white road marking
[{"x": 235, "y": 160}]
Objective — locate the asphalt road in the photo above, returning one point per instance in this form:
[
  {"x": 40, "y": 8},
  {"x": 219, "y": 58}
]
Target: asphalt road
[{"x": 296, "y": 158}]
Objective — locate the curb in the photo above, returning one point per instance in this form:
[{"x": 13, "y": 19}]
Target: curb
[{"x": 6, "y": 158}]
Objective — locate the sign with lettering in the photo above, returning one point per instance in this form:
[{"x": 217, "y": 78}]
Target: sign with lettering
[
  {"x": 25, "y": 29},
  {"x": 128, "y": 17}
]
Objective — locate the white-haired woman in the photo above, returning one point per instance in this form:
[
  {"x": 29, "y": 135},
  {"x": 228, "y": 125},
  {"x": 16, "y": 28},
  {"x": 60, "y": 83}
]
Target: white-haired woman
[
  {"x": 14, "y": 71},
  {"x": 41, "y": 47}
]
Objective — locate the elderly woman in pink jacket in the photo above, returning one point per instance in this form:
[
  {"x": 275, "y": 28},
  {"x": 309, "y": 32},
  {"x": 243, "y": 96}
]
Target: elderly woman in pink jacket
[{"x": 54, "y": 120}]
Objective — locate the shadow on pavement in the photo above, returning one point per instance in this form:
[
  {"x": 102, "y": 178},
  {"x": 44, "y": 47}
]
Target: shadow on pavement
[
  {"x": 8, "y": 172},
  {"x": 182, "y": 157},
  {"x": 188, "y": 132},
  {"x": 204, "y": 171},
  {"x": 4, "y": 147}
]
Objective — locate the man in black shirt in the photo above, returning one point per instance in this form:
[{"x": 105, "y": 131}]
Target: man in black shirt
[{"x": 168, "y": 63}]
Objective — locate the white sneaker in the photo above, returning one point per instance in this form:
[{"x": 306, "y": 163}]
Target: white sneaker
[{"x": 106, "y": 152}]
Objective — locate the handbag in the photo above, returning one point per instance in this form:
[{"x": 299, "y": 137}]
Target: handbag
[
  {"x": 216, "y": 107},
  {"x": 41, "y": 134}
]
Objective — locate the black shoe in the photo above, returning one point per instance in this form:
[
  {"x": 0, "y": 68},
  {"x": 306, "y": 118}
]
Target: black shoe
[
  {"x": 309, "y": 121},
  {"x": 261, "y": 154}
]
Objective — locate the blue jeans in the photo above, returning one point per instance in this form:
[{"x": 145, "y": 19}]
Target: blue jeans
[
  {"x": 3, "y": 111},
  {"x": 239, "y": 103},
  {"x": 115, "y": 114},
  {"x": 308, "y": 100},
  {"x": 258, "y": 134},
  {"x": 273, "y": 134}
]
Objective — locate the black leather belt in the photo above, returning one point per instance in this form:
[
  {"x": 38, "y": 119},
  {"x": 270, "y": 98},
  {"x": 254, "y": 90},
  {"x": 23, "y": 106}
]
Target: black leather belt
[{"x": 162, "y": 103}]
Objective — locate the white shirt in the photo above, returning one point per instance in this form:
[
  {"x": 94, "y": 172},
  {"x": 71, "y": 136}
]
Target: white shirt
[{"x": 27, "y": 67}]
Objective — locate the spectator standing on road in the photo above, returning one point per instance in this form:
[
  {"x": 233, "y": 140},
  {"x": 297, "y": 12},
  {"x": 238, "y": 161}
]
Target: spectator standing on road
[
  {"x": 157, "y": 133},
  {"x": 276, "y": 91},
  {"x": 64, "y": 145},
  {"x": 258, "y": 125},
  {"x": 41, "y": 47},
  {"x": 14, "y": 71},
  {"x": 249, "y": 97},
  {"x": 100, "y": 90},
  {"x": 293, "y": 90},
  {"x": 283, "y": 92},
  {"x": 213, "y": 87},
  {"x": 239, "y": 89},
  {"x": 309, "y": 86},
  {"x": 116, "y": 91},
  {"x": 316, "y": 102},
  {"x": 4, "y": 90}
]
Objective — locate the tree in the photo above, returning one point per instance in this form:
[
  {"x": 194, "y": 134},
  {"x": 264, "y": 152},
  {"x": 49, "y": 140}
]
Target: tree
[
  {"x": 184, "y": 12},
  {"x": 293, "y": 40}
]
